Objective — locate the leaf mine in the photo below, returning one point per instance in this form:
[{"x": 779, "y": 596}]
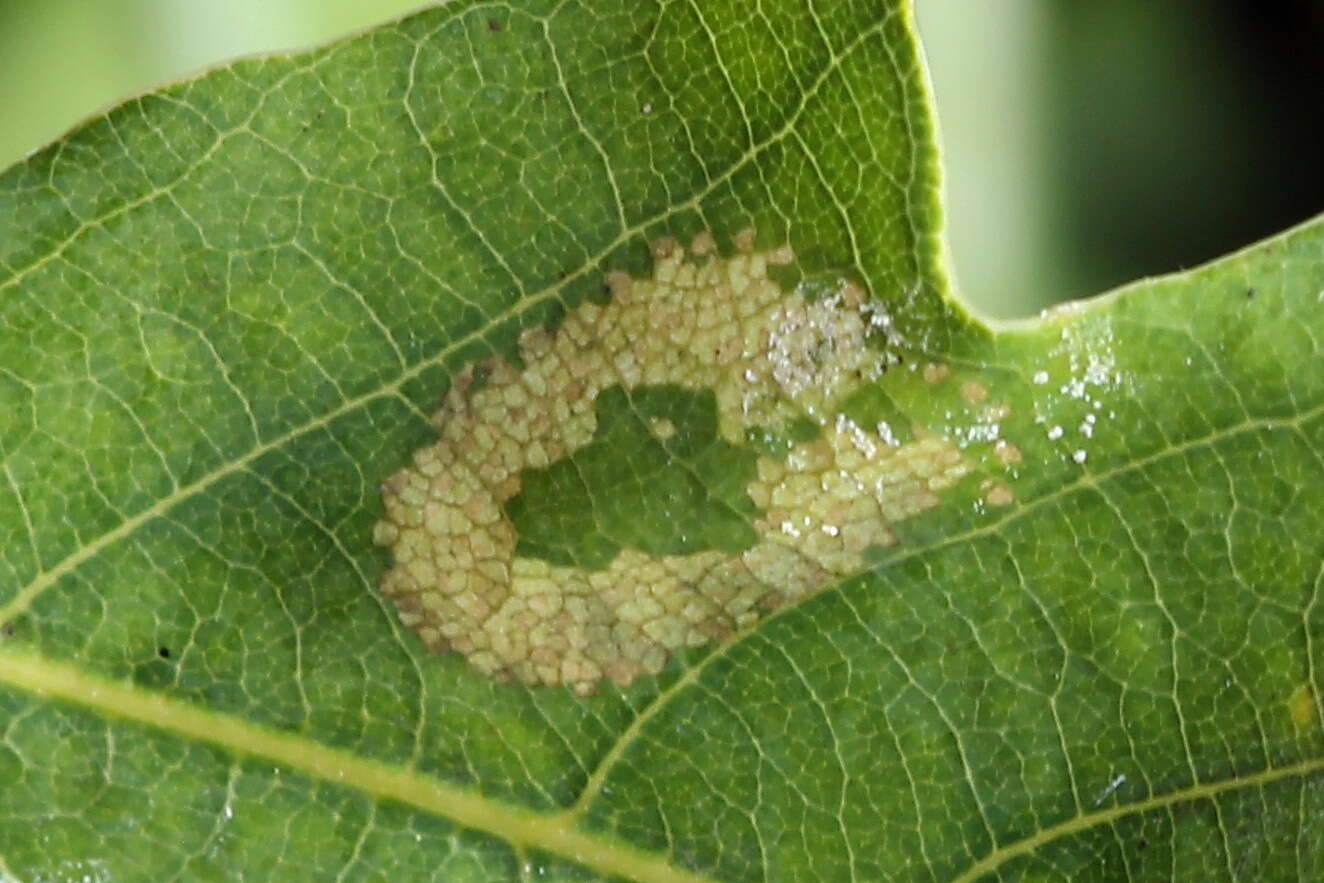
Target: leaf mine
[{"x": 660, "y": 470}]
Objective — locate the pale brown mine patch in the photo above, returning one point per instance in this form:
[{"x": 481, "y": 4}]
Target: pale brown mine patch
[{"x": 705, "y": 323}]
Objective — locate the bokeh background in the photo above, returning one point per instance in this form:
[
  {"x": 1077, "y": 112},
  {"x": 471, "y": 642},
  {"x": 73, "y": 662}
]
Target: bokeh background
[{"x": 1086, "y": 143}]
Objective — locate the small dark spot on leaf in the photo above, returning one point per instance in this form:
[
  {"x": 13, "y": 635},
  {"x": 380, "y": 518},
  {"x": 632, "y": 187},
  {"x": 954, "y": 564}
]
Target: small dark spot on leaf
[
  {"x": 606, "y": 289},
  {"x": 1250, "y": 293},
  {"x": 308, "y": 125},
  {"x": 1142, "y": 844},
  {"x": 163, "y": 652},
  {"x": 493, "y": 25}
]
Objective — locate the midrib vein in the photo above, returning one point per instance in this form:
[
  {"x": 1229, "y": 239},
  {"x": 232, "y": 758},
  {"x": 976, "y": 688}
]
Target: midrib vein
[
  {"x": 523, "y": 829},
  {"x": 553, "y": 832}
]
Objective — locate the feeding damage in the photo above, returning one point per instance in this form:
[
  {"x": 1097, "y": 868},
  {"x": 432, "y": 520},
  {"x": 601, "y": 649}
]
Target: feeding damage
[{"x": 703, "y": 396}]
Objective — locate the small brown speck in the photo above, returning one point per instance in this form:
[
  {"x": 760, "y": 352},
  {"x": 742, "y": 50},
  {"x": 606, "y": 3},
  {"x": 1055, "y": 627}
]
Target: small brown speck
[
  {"x": 1303, "y": 708},
  {"x": 663, "y": 247},
  {"x": 617, "y": 283},
  {"x": 935, "y": 372},
  {"x": 1008, "y": 453},
  {"x": 998, "y": 493},
  {"x": 974, "y": 392},
  {"x": 853, "y": 294},
  {"x": 702, "y": 244}
]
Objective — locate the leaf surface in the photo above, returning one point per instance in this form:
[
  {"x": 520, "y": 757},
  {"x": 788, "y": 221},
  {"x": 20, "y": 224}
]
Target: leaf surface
[{"x": 228, "y": 307}]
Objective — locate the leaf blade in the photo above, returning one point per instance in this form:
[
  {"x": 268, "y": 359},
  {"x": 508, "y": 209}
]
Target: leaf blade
[{"x": 229, "y": 306}]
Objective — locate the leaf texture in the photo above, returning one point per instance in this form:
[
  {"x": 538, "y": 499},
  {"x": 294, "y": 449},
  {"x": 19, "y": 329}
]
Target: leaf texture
[{"x": 228, "y": 307}]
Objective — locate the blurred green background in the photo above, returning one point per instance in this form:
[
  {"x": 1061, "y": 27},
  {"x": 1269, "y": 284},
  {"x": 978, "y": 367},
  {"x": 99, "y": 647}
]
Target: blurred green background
[{"x": 1086, "y": 143}]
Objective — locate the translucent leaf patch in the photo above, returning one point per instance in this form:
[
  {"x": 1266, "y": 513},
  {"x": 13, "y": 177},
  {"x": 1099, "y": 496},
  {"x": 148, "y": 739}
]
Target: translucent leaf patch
[{"x": 660, "y": 470}]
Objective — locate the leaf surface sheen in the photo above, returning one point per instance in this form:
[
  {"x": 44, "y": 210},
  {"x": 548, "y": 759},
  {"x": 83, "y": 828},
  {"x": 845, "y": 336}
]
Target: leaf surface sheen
[{"x": 228, "y": 307}]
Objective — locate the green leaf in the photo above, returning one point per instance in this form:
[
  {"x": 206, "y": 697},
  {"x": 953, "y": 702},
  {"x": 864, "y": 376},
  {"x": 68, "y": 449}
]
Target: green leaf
[
  {"x": 229, "y": 307},
  {"x": 628, "y": 488}
]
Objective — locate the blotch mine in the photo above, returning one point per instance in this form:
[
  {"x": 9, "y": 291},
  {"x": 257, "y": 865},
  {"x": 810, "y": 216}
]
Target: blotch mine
[{"x": 778, "y": 370}]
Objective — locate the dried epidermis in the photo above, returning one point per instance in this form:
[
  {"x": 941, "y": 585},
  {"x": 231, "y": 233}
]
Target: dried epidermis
[{"x": 656, "y": 472}]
